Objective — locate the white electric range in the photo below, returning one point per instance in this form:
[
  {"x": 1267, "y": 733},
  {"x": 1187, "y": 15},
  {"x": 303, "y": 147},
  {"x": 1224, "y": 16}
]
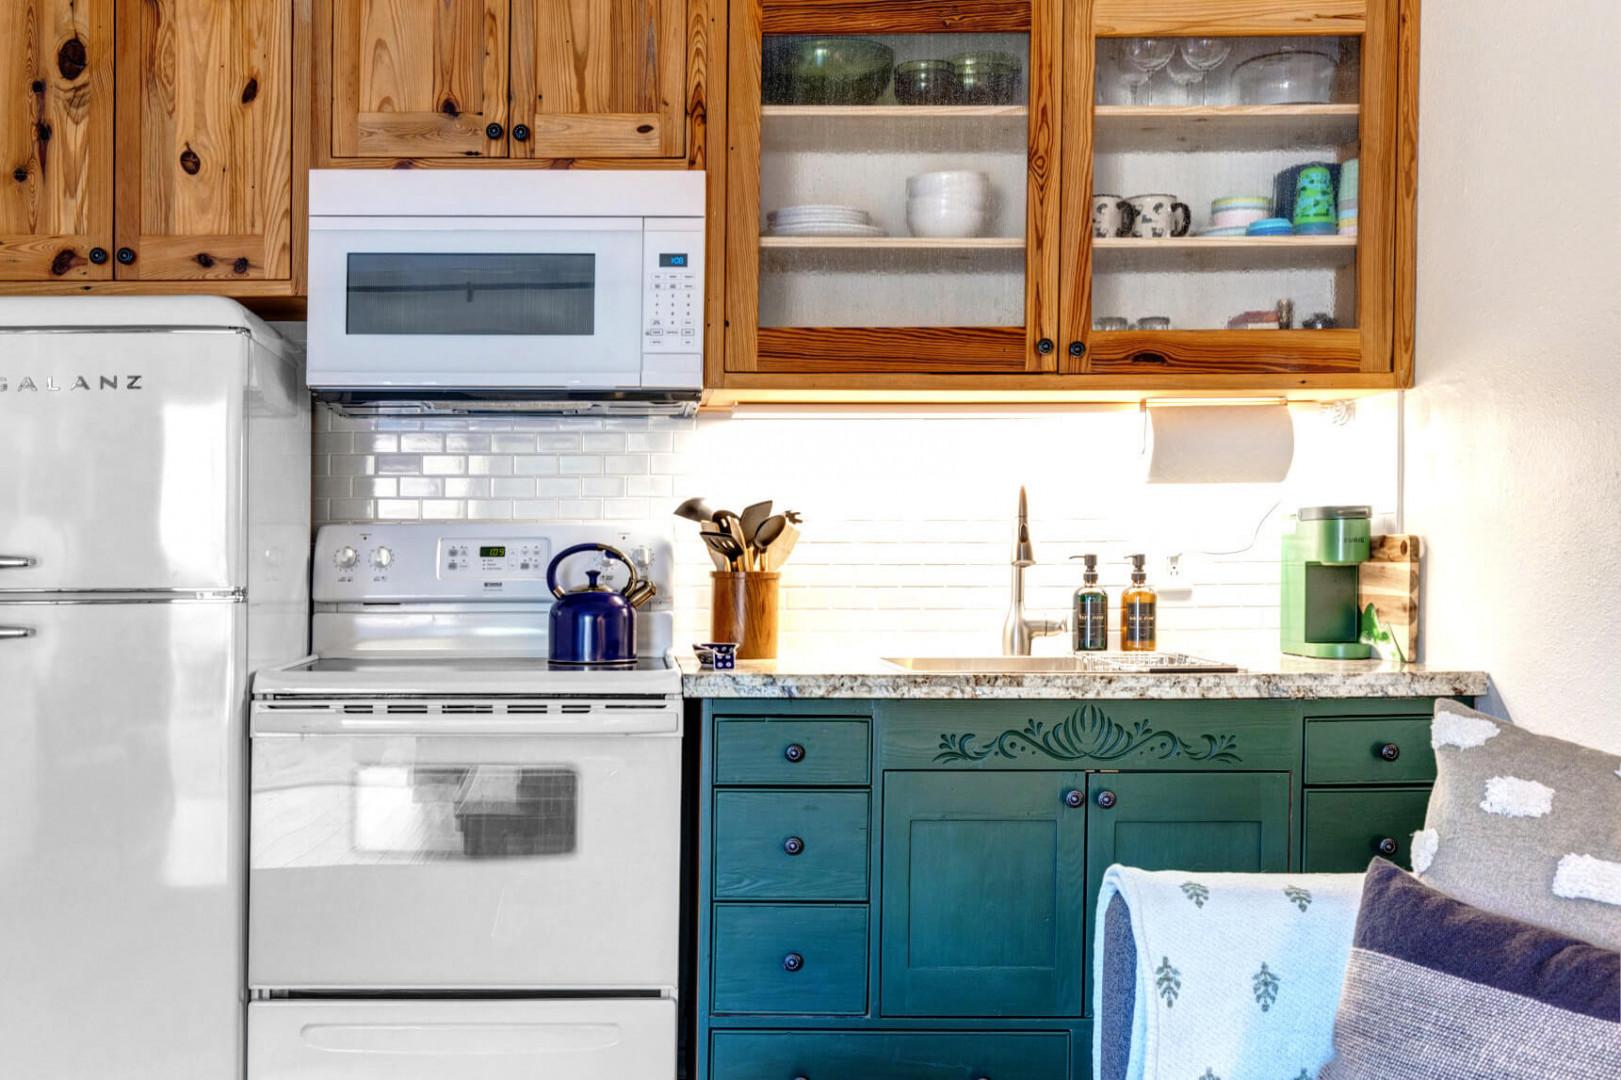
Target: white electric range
[{"x": 465, "y": 860}]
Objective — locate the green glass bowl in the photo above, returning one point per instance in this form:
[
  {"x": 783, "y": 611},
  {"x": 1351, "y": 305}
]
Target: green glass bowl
[{"x": 837, "y": 71}]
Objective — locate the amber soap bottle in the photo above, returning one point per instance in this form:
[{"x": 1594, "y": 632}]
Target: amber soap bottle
[{"x": 1137, "y": 610}]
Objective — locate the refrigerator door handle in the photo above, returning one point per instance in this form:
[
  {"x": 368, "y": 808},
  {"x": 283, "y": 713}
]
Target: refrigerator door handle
[
  {"x": 9, "y": 632},
  {"x": 16, "y": 562}
]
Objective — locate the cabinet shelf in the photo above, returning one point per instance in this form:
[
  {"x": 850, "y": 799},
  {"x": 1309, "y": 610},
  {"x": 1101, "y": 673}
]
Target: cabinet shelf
[
  {"x": 893, "y": 243},
  {"x": 893, "y": 112},
  {"x": 1224, "y": 252},
  {"x": 1163, "y": 128}
]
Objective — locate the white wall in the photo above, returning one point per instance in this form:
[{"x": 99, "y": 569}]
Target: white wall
[{"x": 1513, "y": 458}]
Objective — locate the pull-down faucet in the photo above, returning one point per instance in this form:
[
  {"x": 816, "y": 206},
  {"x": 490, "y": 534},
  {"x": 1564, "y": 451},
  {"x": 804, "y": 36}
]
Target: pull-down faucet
[{"x": 1018, "y": 632}]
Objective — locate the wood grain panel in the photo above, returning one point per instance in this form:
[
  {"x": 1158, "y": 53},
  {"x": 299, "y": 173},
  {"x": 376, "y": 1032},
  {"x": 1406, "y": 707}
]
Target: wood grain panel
[
  {"x": 56, "y": 139},
  {"x": 1376, "y": 251},
  {"x": 205, "y": 139},
  {"x": 1406, "y": 210},
  {"x": 1137, "y": 18},
  {"x": 1389, "y": 580},
  {"x": 937, "y": 350},
  {"x": 412, "y": 78},
  {"x": 1075, "y": 283},
  {"x": 895, "y": 16},
  {"x": 603, "y": 77},
  {"x": 1044, "y": 168},
  {"x": 742, "y": 188},
  {"x": 1151, "y": 355}
]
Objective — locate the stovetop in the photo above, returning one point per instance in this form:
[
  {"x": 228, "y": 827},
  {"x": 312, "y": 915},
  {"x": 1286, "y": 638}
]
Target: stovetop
[{"x": 406, "y": 675}]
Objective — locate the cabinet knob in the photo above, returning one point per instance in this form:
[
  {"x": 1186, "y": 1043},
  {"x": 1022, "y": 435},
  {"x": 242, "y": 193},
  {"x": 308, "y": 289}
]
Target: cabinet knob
[
  {"x": 494, "y": 131},
  {"x": 793, "y": 962},
  {"x": 126, "y": 255},
  {"x": 98, "y": 255},
  {"x": 1106, "y": 799},
  {"x": 793, "y": 845},
  {"x": 1077, "y": 348},
  {"x": 1074, "y": 799},
  {"x": 520, "y": 132},
  {"x": 1389, "y": 751},
  {"x": 1045, "y": 346},
  {"x": 794, "y": 753},
  {"x": 1385, "y": 846}
]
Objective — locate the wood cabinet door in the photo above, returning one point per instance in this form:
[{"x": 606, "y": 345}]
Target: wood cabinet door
[
  {"x": 598, "y": 78},
  {"x": 412, "y": 78},
  {"x": 983, "y": 894},
  {"x": 205, "y": 140},
  {"x": 56, "y": 138}
]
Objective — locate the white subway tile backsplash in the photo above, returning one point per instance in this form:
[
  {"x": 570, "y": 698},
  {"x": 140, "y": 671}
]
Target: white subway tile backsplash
[
  {"x": 398, "y": 465},
  {"x": 512, "y": 444},
  {"x": 467, "y": 487},
  {"x": 444, "y": 465},
  {"x": 421, "y": 443},
  {"x": 352, "y": 464},
  {"x": 607, "y": 442},
  {"x": 534, "y": 465},
  {"x": 467, "y": 444},
  {"x": 602, "y": 486},
  {"x": 489, "y": 465},
  {"x": 421, "y": 487},
  {"x": 557, "y": 487},
  {"x": 398, "y": 510},
  {"x": 443, "y": 509},
  {"x": 512, "y": 487}
]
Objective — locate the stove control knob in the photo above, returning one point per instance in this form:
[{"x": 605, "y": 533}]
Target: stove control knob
[
  {"x": 346, "y": 557},
  {"x": 382, "y": 558}
]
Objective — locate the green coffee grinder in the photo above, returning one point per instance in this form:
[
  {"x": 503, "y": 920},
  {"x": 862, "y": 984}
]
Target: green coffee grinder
[{"x": 1321, "y": 560}]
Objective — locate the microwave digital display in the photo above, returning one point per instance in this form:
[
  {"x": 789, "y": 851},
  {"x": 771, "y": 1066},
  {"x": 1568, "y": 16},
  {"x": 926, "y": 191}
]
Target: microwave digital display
[
  {"x": 673, "y": 258},
  {"x": 528, "y": 294}
]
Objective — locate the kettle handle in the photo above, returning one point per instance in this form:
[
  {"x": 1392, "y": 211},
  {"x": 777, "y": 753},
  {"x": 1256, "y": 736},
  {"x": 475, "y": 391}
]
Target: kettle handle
[{"x": 611, "y": 552}]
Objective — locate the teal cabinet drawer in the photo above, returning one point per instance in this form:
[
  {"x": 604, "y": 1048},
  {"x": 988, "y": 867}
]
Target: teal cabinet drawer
[
  {"x": 765, "y": 1055},
  {"x": 785, "y": 958},
  {"x": 790, "y": 845},
  {"x": 814, "y": 752},
  {"x": 1345, "y": 829},
  {"x": 1369, "y": 750}
]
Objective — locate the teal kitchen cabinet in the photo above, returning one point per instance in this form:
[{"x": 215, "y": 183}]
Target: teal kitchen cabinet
[
  {"x": 983, "y": 874},
  {"x": 904, "y": 890}
]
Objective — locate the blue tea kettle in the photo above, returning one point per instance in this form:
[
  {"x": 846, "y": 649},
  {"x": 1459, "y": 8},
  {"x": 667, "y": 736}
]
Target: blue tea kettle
[{"x": 594, "y": 625}]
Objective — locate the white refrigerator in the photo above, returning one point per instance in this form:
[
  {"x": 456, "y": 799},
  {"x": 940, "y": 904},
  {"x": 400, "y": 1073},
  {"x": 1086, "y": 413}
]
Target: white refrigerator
[{"x": 154, "y": 540}]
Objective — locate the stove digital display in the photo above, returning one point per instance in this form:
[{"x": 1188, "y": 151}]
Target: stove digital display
[{"x": 492, "y": 552}]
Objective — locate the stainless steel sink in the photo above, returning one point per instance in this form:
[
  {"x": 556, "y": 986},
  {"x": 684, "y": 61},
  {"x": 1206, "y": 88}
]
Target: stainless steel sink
[{"x": 1079, "y": 664}]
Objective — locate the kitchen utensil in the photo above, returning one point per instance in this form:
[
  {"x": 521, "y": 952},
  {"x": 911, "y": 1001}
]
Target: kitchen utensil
[
  {"x": 944, "y": 216},
  {"x": 783, "y": 546},
  {"x": 1204, "y": 55},
  {"x": 726, "y": 547},
  {"x": 838, "y": 71},
  {"x": 770, "y": 529},
  {"x": 794, "y": 517},
  {"x": 694, "y": 510},
  {"x": 1147, "y": 55},
  {"x": 829, "y": 229},
  {"x": 1289, "y": 77},
  {"x": 1112, "y": 216},
  {"x": 988, "y": 78},
  {"x": 594, "y": 624},
  {"x": 927, "y": 82},
  {"x": 960, "y": 183},
  {"x": 752, "y": 517},
  {"x": 1160, "y": 216}
]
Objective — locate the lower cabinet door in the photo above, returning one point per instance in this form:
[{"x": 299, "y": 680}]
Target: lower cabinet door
[
  {"x": 1345, "y": 829},
  {"x": 737, "y": 1055},
  {"x": 801, "y": 959},
  {"x": 983, "y": 888}
]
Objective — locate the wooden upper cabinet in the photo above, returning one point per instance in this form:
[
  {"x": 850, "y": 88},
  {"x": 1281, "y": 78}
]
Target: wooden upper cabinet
[
  {"x": 419, "y": 78},
  {"x": 56, "y": 140},
  {"x": 205, "y": 140},
  {"x": 598, "y": 78}
]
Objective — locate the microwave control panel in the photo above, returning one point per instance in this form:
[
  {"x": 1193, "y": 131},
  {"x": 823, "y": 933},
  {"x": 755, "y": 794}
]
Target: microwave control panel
[{"x": 673, "y": 285}]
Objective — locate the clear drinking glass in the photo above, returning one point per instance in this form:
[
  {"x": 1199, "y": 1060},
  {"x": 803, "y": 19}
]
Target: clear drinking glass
[
  {"x": 1147, "y": 55},
  {"x": 1185, "y": 77},
  {"x": 1205, "y": 55}
]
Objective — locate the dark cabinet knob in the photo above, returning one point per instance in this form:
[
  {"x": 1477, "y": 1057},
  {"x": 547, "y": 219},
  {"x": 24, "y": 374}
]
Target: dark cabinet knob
[
  {"x": 793, "y": 845},
  {"x": 1077, "y": 348},
  {"x": 1074, "y": 799},
  {"x": 1045, "y": 346},
  {"x": 1107, "y": 799},
  {"x": 520, "y": 132},
  {"x": 494, "y": 131},
  {"x": 794, "y": 753},
  {"x": 1385, "y": 846},
  {"x": 98, "y": 255},
  {"x": 801, "y": 1076},
  {"x": 1389, "y": 751},
  {"x": 793, "y": 962},
  {"x": 126, "y": 255}
]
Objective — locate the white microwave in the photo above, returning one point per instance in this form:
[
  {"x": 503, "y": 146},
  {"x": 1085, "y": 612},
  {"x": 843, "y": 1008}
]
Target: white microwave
[{"x": 515, "y": 285}]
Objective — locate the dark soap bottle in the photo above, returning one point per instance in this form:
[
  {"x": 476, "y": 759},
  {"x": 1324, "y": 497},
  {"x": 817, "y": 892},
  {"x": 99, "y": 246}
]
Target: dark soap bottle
[{"x": 1091, "y": 615}]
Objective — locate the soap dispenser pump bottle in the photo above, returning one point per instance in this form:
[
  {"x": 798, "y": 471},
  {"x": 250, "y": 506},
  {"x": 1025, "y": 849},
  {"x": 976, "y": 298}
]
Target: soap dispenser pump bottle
[
  {"x": 1091, "y": 611},
  {"x": 1137, "y": 610}
]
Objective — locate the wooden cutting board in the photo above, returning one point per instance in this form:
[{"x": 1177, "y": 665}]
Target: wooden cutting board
[{"x": 1389, "y": 581}]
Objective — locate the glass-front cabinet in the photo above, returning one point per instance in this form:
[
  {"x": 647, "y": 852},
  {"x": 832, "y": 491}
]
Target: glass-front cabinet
[
  {"x": 1069, "y": 194},
  {"x": 892, "y": 202}
]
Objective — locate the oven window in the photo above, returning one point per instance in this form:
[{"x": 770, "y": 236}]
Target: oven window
[
  {"x": 519, "y": 293},
  {"x": 431, "y": 812}
]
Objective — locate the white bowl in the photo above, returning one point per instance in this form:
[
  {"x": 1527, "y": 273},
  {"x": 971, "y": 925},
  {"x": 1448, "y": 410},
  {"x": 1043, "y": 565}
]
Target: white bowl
[
  {"x": 948, "y": 182},
  {"x": 949, "y": 202},
  {"x": 940, "y": 217}
]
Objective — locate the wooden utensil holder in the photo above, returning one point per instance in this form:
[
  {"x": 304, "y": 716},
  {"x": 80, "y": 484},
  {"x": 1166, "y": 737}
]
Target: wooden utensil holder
[{"x": 744, "y": 610}]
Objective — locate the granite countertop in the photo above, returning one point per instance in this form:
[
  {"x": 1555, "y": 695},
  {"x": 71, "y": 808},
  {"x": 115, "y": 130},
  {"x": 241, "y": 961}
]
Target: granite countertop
[{"x": 1278, "y": 677}]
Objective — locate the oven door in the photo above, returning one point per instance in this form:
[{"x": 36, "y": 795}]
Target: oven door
[
  {"x": 464, "y": 850},
  {"x": 470, "y": 302}
]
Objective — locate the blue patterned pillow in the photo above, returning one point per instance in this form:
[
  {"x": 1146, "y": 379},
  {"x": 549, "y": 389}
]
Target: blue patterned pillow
[{"x": 1439, "y": 990}]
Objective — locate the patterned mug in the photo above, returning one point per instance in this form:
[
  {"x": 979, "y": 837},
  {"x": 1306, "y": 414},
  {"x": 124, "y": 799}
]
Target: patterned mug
[
  {"x": 1314, "y": 197},
  {"x": 1160, "y": 216},
  {"x": 1112, "y": 216}
]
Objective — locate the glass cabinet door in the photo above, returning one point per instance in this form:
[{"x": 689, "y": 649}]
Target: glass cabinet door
[
  {"x": 1239, "y": 215},
  {"x": 892, "y": 203}
]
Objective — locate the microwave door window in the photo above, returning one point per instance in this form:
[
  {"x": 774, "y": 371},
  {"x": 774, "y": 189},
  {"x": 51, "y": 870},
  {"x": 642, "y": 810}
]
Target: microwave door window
[{"x": 520, "y": 294}]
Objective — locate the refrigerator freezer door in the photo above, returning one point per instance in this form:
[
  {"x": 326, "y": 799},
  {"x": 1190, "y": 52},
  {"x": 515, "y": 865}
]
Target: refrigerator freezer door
[
  {"x": 121, "y": 462},
  {"x": 599, "y": 1039},
  {"x": 121, "y": 892}
]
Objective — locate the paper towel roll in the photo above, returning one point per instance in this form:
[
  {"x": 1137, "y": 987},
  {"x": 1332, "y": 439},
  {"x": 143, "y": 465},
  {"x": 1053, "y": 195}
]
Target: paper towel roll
[{"x": 1219, "y": 444}]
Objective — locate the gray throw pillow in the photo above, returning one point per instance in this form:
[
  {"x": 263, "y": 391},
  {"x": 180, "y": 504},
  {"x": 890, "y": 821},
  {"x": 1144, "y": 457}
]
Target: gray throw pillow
[
  {"x": 1439, "y": 990},
  {"x": 1524, "y": 825}
]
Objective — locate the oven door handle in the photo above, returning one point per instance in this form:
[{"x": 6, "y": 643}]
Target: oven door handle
[{"x": 287, "y": 718}]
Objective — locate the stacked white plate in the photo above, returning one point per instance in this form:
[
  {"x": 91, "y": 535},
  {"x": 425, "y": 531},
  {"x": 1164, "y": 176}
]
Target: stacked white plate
[{"x": 821, "y": 219}]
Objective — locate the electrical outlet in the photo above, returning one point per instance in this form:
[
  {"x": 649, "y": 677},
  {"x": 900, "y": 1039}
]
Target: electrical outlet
[{"x": 1172, "y": 568}]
